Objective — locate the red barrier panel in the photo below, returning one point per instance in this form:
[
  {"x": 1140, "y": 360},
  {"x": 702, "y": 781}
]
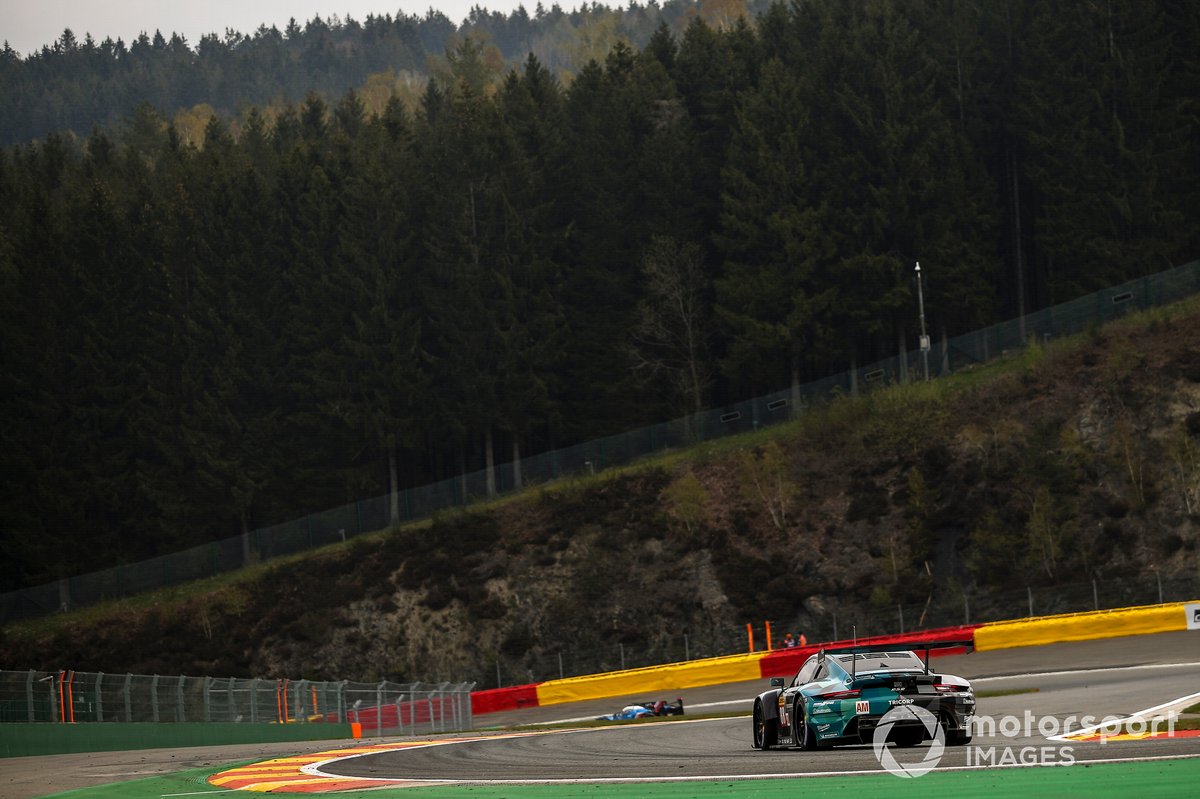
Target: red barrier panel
[
  {"x": 396, "y": 715},
  {"x": 494, "y": 699},
  {"x": 786, "y": 662}
]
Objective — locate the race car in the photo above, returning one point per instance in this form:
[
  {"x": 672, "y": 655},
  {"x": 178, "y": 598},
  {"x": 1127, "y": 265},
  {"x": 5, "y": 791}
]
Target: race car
[
  {"x": 659, "y": 708},
  {"x": 841, "y": 696}
]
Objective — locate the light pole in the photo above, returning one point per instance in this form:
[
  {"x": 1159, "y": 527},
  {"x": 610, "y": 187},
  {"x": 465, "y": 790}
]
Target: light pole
[{"x": 924, "y": 338}]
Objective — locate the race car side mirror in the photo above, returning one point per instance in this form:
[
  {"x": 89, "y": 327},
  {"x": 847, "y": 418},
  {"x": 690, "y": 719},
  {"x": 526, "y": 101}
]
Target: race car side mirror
[{"x": 776, "y": 682}]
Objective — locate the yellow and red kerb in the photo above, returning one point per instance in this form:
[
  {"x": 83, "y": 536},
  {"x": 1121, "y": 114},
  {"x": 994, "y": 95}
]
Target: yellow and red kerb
[{"x": 289, "y": 775}]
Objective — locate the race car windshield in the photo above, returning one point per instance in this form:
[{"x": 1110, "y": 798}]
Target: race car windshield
[{"x": 881, "y": 661}]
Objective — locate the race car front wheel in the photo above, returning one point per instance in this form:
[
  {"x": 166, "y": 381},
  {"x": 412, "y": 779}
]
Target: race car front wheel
[{"x": 766, "y": 731}]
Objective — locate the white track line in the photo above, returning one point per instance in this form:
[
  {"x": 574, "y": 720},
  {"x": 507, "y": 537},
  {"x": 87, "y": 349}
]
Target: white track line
[
  {"x": 1182, "y": 701},
  {"x": 776, "y": 776}
]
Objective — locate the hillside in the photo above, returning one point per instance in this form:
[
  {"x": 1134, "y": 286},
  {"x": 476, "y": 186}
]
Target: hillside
[
  {"x": 216, "y": 328},
  {"x": 1072, "y": 462}
]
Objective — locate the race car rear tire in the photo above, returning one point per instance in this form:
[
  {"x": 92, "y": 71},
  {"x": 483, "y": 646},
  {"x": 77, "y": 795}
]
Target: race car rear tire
[
  {"x": 957, "y": 737},
  {"x": 766, "y": 731}
]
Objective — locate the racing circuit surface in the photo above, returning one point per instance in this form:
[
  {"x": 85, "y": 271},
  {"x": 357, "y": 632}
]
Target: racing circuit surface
[
  {"x": 1116, "y": 676},
  {"x": 1113, "y": 677}
]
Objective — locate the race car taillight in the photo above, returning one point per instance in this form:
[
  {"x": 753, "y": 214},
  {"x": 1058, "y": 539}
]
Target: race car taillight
[
  {"x": 947, "y": 688},
  {"x": 851, "y": 694}
]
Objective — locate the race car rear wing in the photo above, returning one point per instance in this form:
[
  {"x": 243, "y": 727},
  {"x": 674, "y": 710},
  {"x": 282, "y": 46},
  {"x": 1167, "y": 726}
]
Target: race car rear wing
[{"x": 914, "y": 647}]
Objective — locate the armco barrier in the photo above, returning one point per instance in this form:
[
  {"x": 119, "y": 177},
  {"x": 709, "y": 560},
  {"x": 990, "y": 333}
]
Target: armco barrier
[
  {"x": 781, "y": 662},
  {"x": 673, "y": 676},
  {"x": 689, "y": 674},
  {"x": 785, "y": 662},
  {"x": 27, "y": 739},
  {"x": 1082, "y": 626}
]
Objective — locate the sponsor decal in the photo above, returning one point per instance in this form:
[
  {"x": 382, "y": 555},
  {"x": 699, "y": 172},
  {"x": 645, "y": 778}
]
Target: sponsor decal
[
  {"x": 862, "y": 707},
  {"x": 901, "y": 701}
]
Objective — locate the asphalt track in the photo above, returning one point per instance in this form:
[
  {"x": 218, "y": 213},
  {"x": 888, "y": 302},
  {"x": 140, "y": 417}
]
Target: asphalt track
[
  {"x": 1120, "y": 676},
  {"x": 1106, "y": 678}
]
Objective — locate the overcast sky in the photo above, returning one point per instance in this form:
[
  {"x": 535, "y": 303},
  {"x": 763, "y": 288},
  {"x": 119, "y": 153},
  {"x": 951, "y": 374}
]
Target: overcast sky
[{"x": 28, "y": 24}]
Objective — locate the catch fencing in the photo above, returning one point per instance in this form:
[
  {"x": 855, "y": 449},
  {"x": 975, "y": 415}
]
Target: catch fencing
[
  {"x": 836, "y": 622},
  {"x": 383, "y": 708},
  {"x": 378, "y": 513}
]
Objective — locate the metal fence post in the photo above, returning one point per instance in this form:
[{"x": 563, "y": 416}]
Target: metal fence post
[
  {"x": 1030, "y": 590},
  {"x": 99, "y": 697},
  {"x": 55, "y": 715},
  {"x": 379, "y": 710},
  {"x": 128, "y": 699},
  {"x": 29, "y": 694},
  {"x": 1095, "y": 596}
]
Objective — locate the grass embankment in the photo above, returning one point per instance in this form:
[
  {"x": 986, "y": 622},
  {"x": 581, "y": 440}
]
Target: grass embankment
[{"x": 889, "y": 419}]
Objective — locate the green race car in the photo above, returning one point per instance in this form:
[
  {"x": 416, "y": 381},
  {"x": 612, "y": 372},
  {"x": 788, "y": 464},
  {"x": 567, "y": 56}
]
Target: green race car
[{"x": 849, "y": 695}]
